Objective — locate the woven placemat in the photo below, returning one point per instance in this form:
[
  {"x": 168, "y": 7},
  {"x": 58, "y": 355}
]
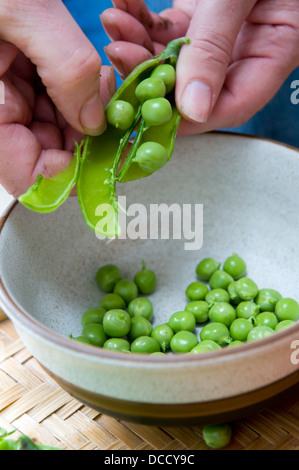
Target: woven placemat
[{"x": 33, "y": 404}]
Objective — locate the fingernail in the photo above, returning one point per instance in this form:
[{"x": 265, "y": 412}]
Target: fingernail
[
  {"x": 196, "y": 101},
  {"x": 111, "y": 80},
  {"x": 116, "y": 62},
  {"x": 92, "y": 116}
]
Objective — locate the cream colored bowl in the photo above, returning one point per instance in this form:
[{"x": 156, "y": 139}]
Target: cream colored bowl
[{"x": 249, "y": 191}]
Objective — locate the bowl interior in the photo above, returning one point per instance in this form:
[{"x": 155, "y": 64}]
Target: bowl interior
[{"x": 247, "y": 189}]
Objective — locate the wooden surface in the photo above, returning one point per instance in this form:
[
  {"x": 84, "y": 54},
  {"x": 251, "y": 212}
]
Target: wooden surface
[{"x": 33, "y": 404}]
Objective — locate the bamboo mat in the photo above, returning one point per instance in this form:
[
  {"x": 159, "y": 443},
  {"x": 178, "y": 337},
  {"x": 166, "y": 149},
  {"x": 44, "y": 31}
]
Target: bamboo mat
[{"x": 33, "y": 404}]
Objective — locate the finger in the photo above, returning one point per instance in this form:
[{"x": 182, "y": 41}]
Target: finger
[
  {"x": 188, "y": 7},
  {"x": 22, "y": 158},
  {"x": 125, "y": 56},
  {"x": 8, "y": 53},
  {"x": 24, "y": 68},
  {"x": 136, "y": 8},
  {"x": 121, "y": 26},
  {"x": 108, "y": 83},
  {"x": 51, "y": 162},
  {"x": 23, "y": 87},
  {"x": 164, "y": 27},
  {"x": 66, "y": 61},
  {"x": 239, "y": 100},
  {"x": 47, "y": 134},
  {"x": 44, "y": 110},
  {"x": 15, "y": 108},
  {"x": 202, "y": 65}
]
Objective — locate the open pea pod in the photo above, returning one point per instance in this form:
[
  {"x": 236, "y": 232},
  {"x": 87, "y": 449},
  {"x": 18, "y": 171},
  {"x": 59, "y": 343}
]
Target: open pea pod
[
  {"x": 47, "y": 194},
  {"x": 100, "y": 166},
  {"x": 165, "y": 134}
]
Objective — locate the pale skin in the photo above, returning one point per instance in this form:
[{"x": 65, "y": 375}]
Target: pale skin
[{"x": 56, "y": 88}]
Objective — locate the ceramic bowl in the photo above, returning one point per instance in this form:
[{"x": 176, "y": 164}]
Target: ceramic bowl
[{"x": 246, "y": 193}]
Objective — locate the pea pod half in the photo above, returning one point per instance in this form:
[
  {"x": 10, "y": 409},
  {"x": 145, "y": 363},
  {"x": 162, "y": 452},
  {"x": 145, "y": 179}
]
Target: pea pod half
[
  {"x": 47, "y": 194},
  {"x": 101, "y": 168}
]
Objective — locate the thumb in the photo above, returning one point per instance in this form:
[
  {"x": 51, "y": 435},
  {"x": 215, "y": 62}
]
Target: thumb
[
  {"x": 202, "y": 65},
  {"x": 66, "y": 61}
]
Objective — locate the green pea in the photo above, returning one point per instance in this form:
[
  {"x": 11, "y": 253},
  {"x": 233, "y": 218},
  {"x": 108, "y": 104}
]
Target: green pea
[
  {"x": 205, "y": 346},
  {"x": 247, "y": 309},
  {"x": 107, "y": 276},
  {"x": 259, "y": 332},
  {"x": 95, "y": 333},
  {"x": 120, "y": 114},
  {"x": 266, "y": 318},
  {"x": 240, "y": 328},
  {"x": 235, "y": 266},
  {"x": 206, "y": 267},
  {"x": 162, "y": 334},
  {"x": 145, "y": 345},
  {"x": 287, "y": 309},
  {"x": 146, "y": 280},
  {"x": 140, "y": 326},
  {"x": 233, "y": 295},
  {"x": 158, "y": 353},
  {"x": 126, "y": 289},
  {"x": 234, "y": 343},
  {"x": 81, "y": 339},
  {"x": 220, "y": 279},
  {"x": 200, "y": 310},
  {"x": 117, "y": 344},
  {"x": 149, "y": 88},
  {"x": 266, "y": 299},
  {"x": 110, "y": 301},
  {"x": 215, "y": 331},
  {"x": 156, "y": 111},
  {"x": 246, "y": 288},
  {"x": 217, "y": 436},
  {"x": 284, "y": 324},
  {"x": 116, "y": 323},
  {"x": 93, "y": 315},
  {"x": 141, "y": 307},
  {"x": 222, "y": 312},
  {"x": 182, "y": 320},
  {"x": 183, "y": 342},
  {"x": 9, "y": 444},
  {"x": 166, "y": 73},
  {"x": 217, "y": 295},
  {"x": 151, "y": 156},
  {"x": 196, "y": 291}
]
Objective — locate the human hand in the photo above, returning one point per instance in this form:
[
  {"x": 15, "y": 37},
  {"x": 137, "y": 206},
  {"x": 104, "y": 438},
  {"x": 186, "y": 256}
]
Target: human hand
[
  {"x": 51, "y": 76},
  {"x": 240, "y": 54}
]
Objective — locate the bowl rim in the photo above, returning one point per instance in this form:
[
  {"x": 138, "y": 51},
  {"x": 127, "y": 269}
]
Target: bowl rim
[{"x": 21, "y": 316}]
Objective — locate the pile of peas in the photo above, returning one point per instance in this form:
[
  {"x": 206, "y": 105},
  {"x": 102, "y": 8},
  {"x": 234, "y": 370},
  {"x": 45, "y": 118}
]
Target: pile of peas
[
  {"x": 155, "y": 109},
  {"x": 227, "y": 305}
]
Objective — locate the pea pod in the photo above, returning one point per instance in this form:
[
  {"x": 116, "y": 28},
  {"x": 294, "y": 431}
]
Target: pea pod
[
  {"x": 99, "y": 162},
  {"x": 102, "y": 155},
  {"x": 47, "y": 194}
]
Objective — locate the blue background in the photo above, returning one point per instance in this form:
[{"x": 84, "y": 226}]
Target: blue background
[{"x": 278, "y": 120}]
